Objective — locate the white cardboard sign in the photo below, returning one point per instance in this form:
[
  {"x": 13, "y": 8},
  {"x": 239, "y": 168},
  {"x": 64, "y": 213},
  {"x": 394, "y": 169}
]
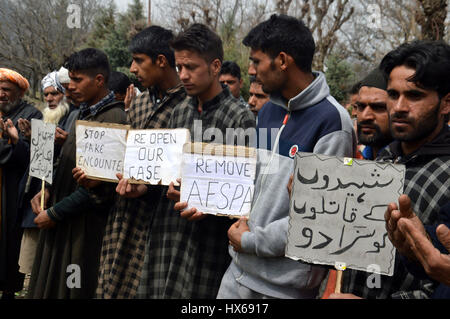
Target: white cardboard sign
[
  {"x": 337, "y": 212},
  {"x": 42, "y": 150},
  {"x": 101, "y": 149},
  {"x": 219, "y": 181},
  {"x": 154, "y": 156}
]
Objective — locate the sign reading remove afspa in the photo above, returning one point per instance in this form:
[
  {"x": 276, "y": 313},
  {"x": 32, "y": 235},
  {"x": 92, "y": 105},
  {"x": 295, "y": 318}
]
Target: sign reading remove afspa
[
  {"x": 337, "y": 212},
  {"x": 218, "y": 179},
  {"x": 42, "y": 149},
  {"x": 154, "y": 156},
  {"x": 101, "y": 149}
]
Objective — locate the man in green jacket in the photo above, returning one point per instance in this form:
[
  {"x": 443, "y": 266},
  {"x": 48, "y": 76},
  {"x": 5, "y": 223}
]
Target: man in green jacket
[{"x": 72, "y": 225}]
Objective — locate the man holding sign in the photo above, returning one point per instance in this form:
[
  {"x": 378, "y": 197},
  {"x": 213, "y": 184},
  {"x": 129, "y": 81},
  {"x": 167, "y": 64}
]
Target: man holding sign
[
  {"x": 57, "y": 111},
  {"x": 72, "y": 221},
  {"x": 187, "y": 259},
  {"x": 309, "y": 120},
  {"x": 419, "y": 105},
  {"x": 123, "y": 247}
]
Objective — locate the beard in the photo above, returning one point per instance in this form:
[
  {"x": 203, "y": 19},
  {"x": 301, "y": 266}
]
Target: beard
[
  {"x": 56, "y": 114},
  {"x": 8, "y": 107},
  {"x": 422, "y": 127},
  {"x": 274, "y": 86},
  {"x": 375, "y": 139}
]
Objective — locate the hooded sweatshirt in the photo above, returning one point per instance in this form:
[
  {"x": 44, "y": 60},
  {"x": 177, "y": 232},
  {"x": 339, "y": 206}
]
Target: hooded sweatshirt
[
  {"x": 317, "y": 123},
  {"x": 310, "y": 122}
]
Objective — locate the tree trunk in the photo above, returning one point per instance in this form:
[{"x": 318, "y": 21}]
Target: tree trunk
[{"x": 432, "y": 18}]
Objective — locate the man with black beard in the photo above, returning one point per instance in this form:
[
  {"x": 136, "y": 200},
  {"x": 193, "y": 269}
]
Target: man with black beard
[
  {"x": 14, "y": 159},
  {"x": 418, "y": 104},
  {"x": 372, "y": 115}
]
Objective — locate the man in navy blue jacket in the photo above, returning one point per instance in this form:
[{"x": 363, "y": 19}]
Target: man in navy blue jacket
[
  {"x": 305, "y": 118},
  {"x": 281, "y": 60}
]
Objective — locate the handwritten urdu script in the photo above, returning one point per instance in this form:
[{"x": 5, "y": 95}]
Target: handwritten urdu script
[{"x": 337, "y": 211}]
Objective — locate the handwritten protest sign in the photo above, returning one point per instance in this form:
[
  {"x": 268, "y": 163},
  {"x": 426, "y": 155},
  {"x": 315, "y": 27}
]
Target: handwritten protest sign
[
  {"x": 337, "y": 212},
  {"x": 42, "y": 150},
  {"x": 101, "y": 149},
  {"x": 218, "y": 179},
  {"x": 154, "y": 156}
]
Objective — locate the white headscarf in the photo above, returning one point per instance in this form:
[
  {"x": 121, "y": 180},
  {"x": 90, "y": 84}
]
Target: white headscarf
[
  {"x": 63, "y": 75},
  {"x": 52, "y": 79}
]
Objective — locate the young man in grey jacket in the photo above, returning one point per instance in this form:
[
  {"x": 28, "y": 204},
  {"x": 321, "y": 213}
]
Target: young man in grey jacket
[{"x": 307, "y": 119}]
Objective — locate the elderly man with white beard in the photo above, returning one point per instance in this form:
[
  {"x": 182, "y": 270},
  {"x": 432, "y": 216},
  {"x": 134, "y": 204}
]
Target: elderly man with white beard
[
  {"x": 57, "y": 106},
  {"x": 57, "y": 111},
  {"x": 14, "y": 160}
]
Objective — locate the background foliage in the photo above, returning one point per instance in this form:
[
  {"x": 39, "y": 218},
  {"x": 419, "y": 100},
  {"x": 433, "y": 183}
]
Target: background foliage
[{"x": 351, "y": 35}]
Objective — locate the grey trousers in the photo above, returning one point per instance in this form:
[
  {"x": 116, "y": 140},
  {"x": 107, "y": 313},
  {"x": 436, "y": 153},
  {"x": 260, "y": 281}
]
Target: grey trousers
[{"x": 230, "y": 288}]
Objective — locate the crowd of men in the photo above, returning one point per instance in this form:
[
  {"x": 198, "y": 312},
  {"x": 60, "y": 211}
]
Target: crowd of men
[{"x": 140, "y": 241}]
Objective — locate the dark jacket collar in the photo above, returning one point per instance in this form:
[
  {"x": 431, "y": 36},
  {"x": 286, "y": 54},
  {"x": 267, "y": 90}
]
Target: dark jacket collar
[
  {"x": 215, "y": 102},
  {"x": 155, "y": 93},
  {"x": 107, "y": 101},
  {"x": 439, "y": 146}
]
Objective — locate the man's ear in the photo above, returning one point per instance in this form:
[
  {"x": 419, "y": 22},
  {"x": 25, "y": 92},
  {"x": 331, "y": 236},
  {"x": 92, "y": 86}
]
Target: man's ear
[
  {"x": 445, "y": 104},
  {"x": 216, "y": 65},
  {"x": 100, "y": 80},
  {"x": 17, "y": 91},
  {"x": 161, "y": 61},
  {"x": 241, "y": 83},
  {"x": 21, "y": 93},
  {"x": 284, "y": 60}
]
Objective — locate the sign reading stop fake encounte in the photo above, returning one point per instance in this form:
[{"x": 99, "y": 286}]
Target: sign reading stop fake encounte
[{"x": 101, "y": 149}]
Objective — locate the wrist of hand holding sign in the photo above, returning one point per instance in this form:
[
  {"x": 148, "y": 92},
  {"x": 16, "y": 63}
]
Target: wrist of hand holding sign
[
  {"x": 128, "y": 190},
  {"x": 43, "y": 221},
  {"x": 83, "y": 180},
  {"x": 36, "y": 201},
  {"x": 172, "y": 192},
  {"x": 235, "y": 233},
  {"x": 190, "y": 214}
]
